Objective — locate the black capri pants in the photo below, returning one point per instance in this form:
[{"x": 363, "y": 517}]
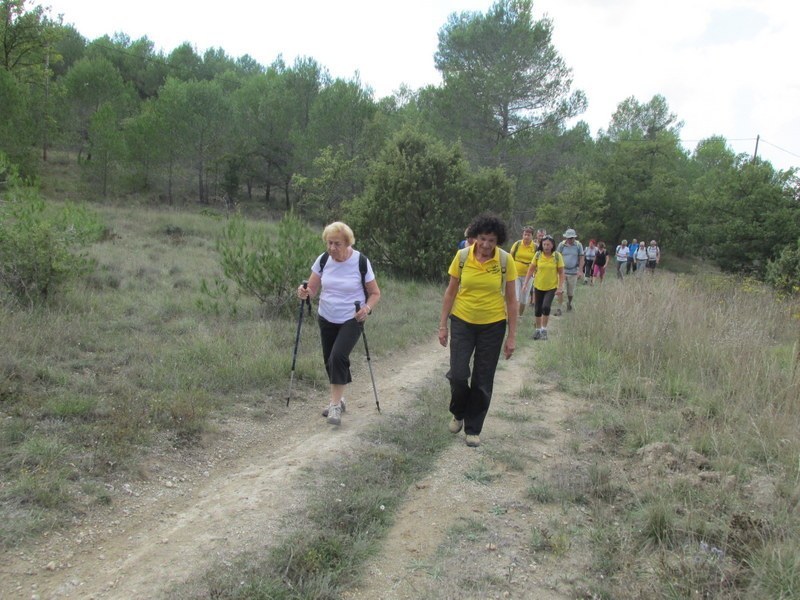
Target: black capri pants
[
  {"x": 542, "y": 299},
  {"x": 338, "y": 340}
]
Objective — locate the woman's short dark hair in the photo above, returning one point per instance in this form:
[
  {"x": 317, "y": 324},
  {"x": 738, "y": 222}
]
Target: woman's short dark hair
[{"x": 488, "y": 223}]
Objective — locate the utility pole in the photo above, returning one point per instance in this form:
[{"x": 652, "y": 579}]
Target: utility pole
[
  {"x": 755, "y": 152},
  {"x": 46, "y": 101}
]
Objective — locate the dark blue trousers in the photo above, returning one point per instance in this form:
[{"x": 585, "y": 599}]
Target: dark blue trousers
[{"x": 481, "y": 344}]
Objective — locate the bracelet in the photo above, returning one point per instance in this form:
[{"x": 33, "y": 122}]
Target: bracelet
[
  {"x": 442, "y": 328},
  {"x": 369, "y": 310}
]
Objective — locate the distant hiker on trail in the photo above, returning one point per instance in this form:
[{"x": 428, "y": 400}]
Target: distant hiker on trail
[
  {"x": 588, "y": 263},
  {"x": 600, "y": 262},
  {"x": 522, "y": 252},
  {"x": 572, "y": 252},
  {"x": 641, "y": 259},
  {"x": 630, "y": 266},
  {"x": 547, "y": 273},
  {"x": 480, "y": 302},
  {"x": 653, "y": 257},
  {"x": 540, "y": 233},
  {"x": 467, "y": 241},
  {"x": 621, "y": 255},
  {"x": 344, "y": 276}
]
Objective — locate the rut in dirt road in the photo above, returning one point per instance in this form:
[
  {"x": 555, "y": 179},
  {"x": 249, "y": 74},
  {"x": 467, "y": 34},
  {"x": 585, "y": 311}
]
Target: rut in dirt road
[{"x": 172, "y": 529}]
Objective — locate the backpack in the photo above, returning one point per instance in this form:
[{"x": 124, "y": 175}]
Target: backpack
[
  {"x": 580, "y": 253},
  {"x": 538, "y": 255},
  {"x": 362, "y": 267},
  {"x": 514, "y": 248},
  {"x": 463, "y": 255}
]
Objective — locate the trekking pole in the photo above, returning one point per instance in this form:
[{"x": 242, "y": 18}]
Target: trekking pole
[
  {"x": 297, "y": 338},
  {"x": 369, "y": 362}
]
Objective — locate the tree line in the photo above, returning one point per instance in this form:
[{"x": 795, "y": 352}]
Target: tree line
[{"x": 495, "y": 134}]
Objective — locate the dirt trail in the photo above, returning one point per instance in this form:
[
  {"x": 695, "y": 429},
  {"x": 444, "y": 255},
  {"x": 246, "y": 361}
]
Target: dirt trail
[
  {"x": 467, "y": 529},
  {"x": 235, "y": 493},
  {"x": 229, "y": 497}
]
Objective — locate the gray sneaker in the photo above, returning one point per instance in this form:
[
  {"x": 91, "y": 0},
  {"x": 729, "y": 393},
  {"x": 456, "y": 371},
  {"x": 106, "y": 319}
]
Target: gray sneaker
[
  {"x": 557, "y": 313},
  {"x": 537, "y": 335},
  {"x": 335, "y": 414},
  {"x": 455, "y": 425},
  {"x": 343, "y": 405},
  {"x": 544, "y": 334}
]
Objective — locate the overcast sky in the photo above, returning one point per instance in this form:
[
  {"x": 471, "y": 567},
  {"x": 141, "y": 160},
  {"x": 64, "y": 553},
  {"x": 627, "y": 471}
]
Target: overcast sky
[{"x": 725, "y": 67}]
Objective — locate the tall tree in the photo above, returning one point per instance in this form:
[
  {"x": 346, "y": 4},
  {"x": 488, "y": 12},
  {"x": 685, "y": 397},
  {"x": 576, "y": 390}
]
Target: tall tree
[
  {"x": 422, "y": 190},
  {"x": 88, "y": 85},
  {"x": 197, "y": 115},
  {"x": 25, "y": 36},
  {"x": 265, "y": 112},
  {"x": 503, "y": 65},
  {"x": 634, "y": 120},
  {"x": 136, "y": 60},
  {"x": 17, "y": 132},
  {"x": 645, "y": 172}
]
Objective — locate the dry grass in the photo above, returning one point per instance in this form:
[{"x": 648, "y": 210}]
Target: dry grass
[
  {"x": 696, "y": 401},
  {"x": 129, "y": 358}
]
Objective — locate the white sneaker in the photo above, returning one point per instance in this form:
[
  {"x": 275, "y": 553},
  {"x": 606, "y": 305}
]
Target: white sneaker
[
  {"x": 335, "y": 414},
  {"x": 343, "y": 405}
]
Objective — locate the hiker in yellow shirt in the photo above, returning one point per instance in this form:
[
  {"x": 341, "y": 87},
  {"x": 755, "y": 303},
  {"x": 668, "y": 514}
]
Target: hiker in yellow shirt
[
  {"x": 480, "y": 303},
  {"x": 522, "y": 252},
  {"x": 548, "y": 267}
]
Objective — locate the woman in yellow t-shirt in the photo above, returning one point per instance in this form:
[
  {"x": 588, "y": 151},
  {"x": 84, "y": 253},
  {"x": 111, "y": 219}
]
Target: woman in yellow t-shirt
[
  {"x": 548, "y": 267},
  {"x": 479, "y": 308}
]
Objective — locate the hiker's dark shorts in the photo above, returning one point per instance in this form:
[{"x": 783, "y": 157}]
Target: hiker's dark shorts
[
  {"x": 651, "y": 264},
  {"x": 338, "y": 340}
]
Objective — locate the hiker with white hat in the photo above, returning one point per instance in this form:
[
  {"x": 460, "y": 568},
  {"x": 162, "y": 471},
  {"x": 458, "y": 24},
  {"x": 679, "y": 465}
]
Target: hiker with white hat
[{"x": 572, "y": 252}]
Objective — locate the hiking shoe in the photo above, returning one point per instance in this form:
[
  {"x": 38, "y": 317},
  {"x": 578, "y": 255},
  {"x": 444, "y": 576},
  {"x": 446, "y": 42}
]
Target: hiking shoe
[
  {"x": 569, "y": 306},
  {"x": 537, "y": 335},
  {"x": 544, "y": 334},
  {"x": 455, "y": 425},
  {"x": 473, "y": 441},
  {"x": 335, "y": 414},
  {"x": 343, "y": 405},
  {"x": 557, "y": 313}
]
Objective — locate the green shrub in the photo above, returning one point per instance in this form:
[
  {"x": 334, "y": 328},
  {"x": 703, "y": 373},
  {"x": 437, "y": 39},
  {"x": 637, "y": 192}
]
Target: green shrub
[
  {"x": 39, "y": 246},
  {"x": 783, "y": 273},
  {"x": 266, "y": 265},
  {"x": 420, "y": 195}
]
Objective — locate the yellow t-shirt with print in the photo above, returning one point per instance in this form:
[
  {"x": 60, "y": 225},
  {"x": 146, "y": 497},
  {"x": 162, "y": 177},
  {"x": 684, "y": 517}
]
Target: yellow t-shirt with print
[
  {"x": 547, "y": 270},
  {"x": 480, "y": 299},
  {"x": 523, "y": 256}
]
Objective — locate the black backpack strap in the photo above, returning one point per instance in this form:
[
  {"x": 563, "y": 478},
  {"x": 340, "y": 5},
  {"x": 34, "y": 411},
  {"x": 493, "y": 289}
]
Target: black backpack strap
[
  {"x": 362, "y": 267},
  {"x": 323, "y": 259}
]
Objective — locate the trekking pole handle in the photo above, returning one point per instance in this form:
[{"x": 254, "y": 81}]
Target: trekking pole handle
[
  {"x": 308, "y": 298},
  {"x": 358, "y": 306}
]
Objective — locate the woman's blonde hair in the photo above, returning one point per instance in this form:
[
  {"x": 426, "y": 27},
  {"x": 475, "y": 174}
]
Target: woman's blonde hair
[{"x": 342, "y": 229}]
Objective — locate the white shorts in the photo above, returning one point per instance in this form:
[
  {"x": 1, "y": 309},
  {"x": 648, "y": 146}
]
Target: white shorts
[{"x": 522, "y": 295}]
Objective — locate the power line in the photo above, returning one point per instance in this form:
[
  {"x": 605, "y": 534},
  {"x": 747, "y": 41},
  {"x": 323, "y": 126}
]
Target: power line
[{"x": 779, "y": 148}]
